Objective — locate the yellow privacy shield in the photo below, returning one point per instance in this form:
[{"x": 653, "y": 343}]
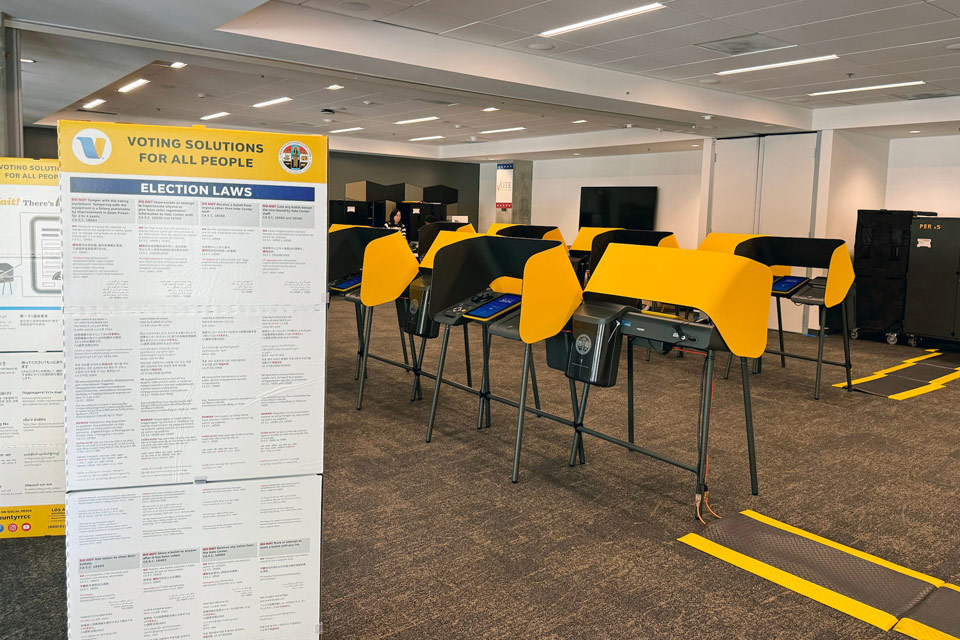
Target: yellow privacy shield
[
  {"x": 341, "y": 227},
  {"x": 467, "y": 228},
  {"x": 728, "y": 242},
  {"x": 388, "y": 269},
  {"x": 733, "y": 291},
  {"x": 551, "y": 293},
  {"x": 554, "y": 234},
  {"x": 443, "y": 239},
  {"x": 496, "y": 226},
  {"x": 839, "y": 276},
  {"x": 584, "y": 239},
  {"x": 669, "y": 241}
]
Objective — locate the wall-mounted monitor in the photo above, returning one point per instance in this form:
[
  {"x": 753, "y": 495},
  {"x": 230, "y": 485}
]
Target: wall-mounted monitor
[{"x": 624, "y": 207}]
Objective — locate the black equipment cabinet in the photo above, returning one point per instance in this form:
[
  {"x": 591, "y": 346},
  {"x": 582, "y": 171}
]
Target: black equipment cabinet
[
  {"x": 933, "y": 281},
  {"x": 880, "y": 261}
]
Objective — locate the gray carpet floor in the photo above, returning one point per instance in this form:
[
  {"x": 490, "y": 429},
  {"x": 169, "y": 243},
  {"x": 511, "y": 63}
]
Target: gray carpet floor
[{"x": 434, "y": 541}]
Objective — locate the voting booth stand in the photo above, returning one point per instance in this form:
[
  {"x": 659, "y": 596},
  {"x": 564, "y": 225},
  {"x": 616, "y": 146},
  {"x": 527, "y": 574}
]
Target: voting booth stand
[
  {"x": 194, "y": 330},
  {"x": 31, "y": 350},
  {"x": 824, "y": 292}
]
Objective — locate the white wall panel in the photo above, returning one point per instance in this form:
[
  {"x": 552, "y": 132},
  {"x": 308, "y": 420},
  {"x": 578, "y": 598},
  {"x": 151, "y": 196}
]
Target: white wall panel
[{"x": 735, "y": 185}]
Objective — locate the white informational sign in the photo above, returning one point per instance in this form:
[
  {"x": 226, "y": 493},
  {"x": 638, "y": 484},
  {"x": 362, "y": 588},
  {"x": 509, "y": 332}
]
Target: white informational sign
[
  {"x": 162, "y": 396},
  {"x": 504, "y": 185},
  {"x": 31, "y": 345},
  {"x": 217, "y": 560},
  {"x": 194, "y": 333}
]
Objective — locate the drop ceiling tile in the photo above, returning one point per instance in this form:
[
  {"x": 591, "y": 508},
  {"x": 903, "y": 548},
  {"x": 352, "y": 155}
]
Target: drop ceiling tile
[
  {"x": 377, "y": 8},
  {"x": 588, "y": 55},
  {"x": 946, "y": 29},
  {"x": 484, "y": 33},
  {"x": 675, "y": 38},
  {"x": 813, "y": 87},
  {"x": 688, "y": 55},
  {"x": 875, "y": 21},
  {"x": 945, "y": 73},
  {"x": 727, "y": 63},
  {"x": 921, "y": 64},
  {"x": 871, "y": 99},
  {"x": 807, "y": 12},
  {"x": 715, "y": 9},
  {"x": 558, "y": 13},
  {"x": 953, "y": 6},
  {"x": 477, "y": 9},
  {"x": 425, "y": 20},
  {"x": 950, "y": 85},
  {"x": 639, "y": 24},
  {"x": 900, "y": 54},
  {"x": 557, "y": 46}
]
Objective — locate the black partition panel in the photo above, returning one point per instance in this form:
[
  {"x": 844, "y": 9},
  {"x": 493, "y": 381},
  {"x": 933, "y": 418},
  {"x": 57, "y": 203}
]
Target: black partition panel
[
  {"x": 623, "y": 236},
  {"x": 466, "y": 268},
  {"x": 428, "y": 233},
  {"x": 789, "y": 252},
  {"x": 525, "y": 231},
  {"x": 345, "y": 249}
]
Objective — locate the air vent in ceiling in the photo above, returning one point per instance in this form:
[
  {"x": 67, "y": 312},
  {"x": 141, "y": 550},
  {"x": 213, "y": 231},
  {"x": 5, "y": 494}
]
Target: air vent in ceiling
[
  {"x": 926, "y": 95},
  {"x": 753, "y": 43}
]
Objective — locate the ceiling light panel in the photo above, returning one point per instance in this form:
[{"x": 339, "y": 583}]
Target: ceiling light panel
[
  {"x": 347, "y": 130},
  {"x": 592, "y": 22},
  {"x": 268, "y": 103},
  {"x": 130, "y": 86},
  {"x": 93, "y": 104},
  {"x": 424, "y": 138},
  {"x": 876, "y": 87},
  {"x": 416, "y": 120},
  {"x": 507, "y": 130},
  {"x": 214, "y": 116},
  {"x": 777, "y": 65}
]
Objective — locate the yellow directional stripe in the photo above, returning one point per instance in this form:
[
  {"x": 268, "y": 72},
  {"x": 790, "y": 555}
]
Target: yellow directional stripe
[
  {"x": 875, "y": 376},
  {"x": 913, "y": 393},
  {"x": 832, "y": 599},
  {"x": 836, "y": 545},
  {"x": 921, "y": 631},
  {"x": 905, "y": 365},
  {"x": 926, "y": 357},
  {"x": 952, "y": 586},
  {"x": 947, "y": 378}
]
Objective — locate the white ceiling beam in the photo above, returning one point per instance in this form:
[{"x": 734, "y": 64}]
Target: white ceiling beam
[{"x": 906, "y": 112}]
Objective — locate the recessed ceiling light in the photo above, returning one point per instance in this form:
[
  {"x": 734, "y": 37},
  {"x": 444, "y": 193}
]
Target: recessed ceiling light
[
  {"x": 415, "y": 120},
  {"x": 218, "y": 114},
  {"x": 492, "y": 109},
  {"x": 347, "y": 130},
  {"x": 876, "y": 86},
  {"x": 177, "y": 65},
  {"x": 694, "y": 145},
  {"x": 133, "y": 85},
  {"x": 954, "y": 46},
  {"x": 578, "y": 122},
  {"x": 575, "y": 153},
  {"x": 93, "y": 103},
  {"x": 335, "y": 87},
  {"x": 274, "y": 101},
  {"x": 914, "y": 131},
  {"x": 777, "y": 65},
  {"x": 354, "y": 6},
  {"x": 426, "y": 138},
  {"x": 27, "y": 60},
  {"x": 608, "y": 18},
  {"x": 708, "y": 117},
  {"x": 504, "y": 130},
  {"x": 541, "y": 46}
]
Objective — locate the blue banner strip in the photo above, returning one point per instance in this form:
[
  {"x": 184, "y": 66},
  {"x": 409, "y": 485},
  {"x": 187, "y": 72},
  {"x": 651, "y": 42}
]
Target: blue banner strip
[
  {"x": 191, "y": 189},
  {"x": 30, "y": 308}
]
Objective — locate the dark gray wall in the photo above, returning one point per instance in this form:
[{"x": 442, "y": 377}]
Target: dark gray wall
[
  {"x": 354, "y": 167},
  {"x": 39, "y": 142}
]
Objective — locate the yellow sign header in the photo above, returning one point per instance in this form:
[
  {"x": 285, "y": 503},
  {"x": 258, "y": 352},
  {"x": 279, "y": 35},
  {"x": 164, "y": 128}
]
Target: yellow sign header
[
  {"x": 193, "y": 152},
  {"x": 43, "y": 173}
]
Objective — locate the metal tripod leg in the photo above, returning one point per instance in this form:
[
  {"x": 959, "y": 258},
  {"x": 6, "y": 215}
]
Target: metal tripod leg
[
  {"x": 357, "y": 308},
  {"x": 403, "y": 340},
  {"x": 706, "y": 400},
  {"x": 417, "y": 392},
  {"x": 783, "y": 358},
  {"x": 533, "y": 378},
  {"x": 748, "y": 412},
  {"x": 629, "y": 389},
  {"x": 485, "y": 375},
  {"x": 577, "y": 445},
  {"x": 439, "y": 381},
  {"x": 726, "y": 371},
  {"x": 823, "y": 319},
  {"x": 523, "y": 410},
  {"x": 466, "y": 355},
  {"x": 847, "y": 364},
  {"x": 366, "y": 353}
]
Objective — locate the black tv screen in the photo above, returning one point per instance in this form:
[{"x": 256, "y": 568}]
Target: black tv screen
[{"x": 625, "y": 207}]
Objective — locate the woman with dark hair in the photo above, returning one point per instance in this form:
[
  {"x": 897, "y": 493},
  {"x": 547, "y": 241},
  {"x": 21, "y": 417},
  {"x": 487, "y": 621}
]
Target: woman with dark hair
[{"x": 395, "y": 221}]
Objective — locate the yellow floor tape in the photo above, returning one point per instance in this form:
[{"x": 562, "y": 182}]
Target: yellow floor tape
[
  {"x": 932, "y": 385},
  {"x": 823, "y": 595}
]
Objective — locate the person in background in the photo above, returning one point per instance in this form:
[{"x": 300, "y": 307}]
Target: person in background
[{"x": 395, "y": 221}]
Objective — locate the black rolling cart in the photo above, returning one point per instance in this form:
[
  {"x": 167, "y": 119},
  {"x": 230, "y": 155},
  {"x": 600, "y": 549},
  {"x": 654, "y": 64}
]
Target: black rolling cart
[
  {"x": 881, "y": 257},
  {"x": 933, "y": 280}
]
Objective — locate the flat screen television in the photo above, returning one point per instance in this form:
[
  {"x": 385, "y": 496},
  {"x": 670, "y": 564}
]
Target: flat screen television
[{"x": 624, "y": 207}]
